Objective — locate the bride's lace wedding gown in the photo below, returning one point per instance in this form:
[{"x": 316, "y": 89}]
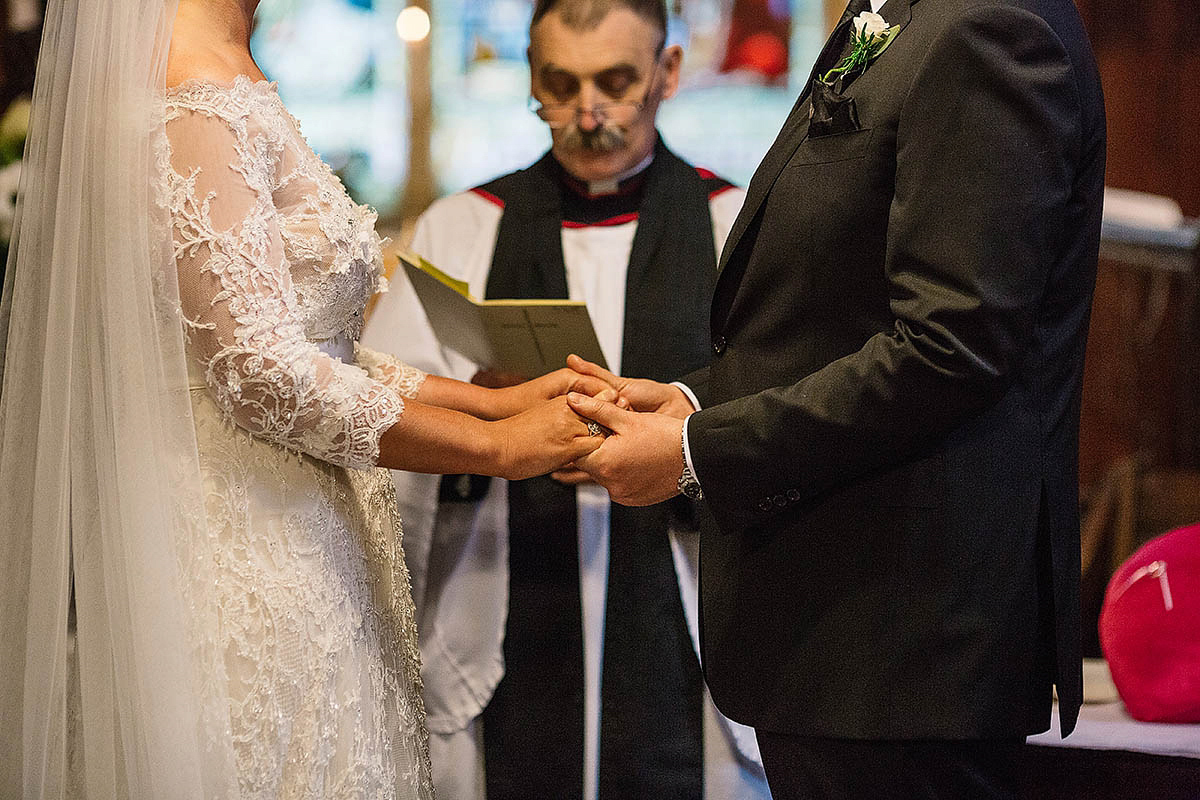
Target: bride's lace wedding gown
[{"x": 314, "y": 619}]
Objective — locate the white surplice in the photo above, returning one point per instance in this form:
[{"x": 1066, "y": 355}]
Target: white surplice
[{"x": 458, "y": 553}]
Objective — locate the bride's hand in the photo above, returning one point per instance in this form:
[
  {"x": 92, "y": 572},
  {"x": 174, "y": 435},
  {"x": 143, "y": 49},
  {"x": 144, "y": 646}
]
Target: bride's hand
[
  {"x": 571, "y": 475},
  {"x": 640, "y": 394},
  {"x": 511, "y": 400},
  {"x": 542, "y": 439}
]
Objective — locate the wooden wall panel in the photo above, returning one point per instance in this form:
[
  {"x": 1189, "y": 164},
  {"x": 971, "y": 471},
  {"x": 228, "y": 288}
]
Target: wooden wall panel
[
  {"x": 1139, "y": 427},
  {"x": 1149, "y": 57},
  {"x": 1148, "y": 52}
]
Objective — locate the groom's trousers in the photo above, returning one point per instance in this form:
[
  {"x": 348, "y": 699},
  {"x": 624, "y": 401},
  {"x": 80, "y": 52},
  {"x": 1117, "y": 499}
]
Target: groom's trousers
[{"x": 814, "y": 768}]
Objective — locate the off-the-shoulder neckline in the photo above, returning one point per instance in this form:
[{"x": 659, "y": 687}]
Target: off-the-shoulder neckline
[{"x": 240, "y": 81}]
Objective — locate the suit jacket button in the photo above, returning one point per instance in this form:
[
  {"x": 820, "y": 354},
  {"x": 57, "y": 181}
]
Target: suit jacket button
[
  {"x": 764, "y": 504},
  {"x": 718, "y": 345},
  {"x": 780, "y": 500}
]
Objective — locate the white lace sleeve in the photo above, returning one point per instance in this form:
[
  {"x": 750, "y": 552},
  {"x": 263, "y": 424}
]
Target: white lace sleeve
[
  {"x": 404, "y": 379},
  {"x": 240, "y": 303}
]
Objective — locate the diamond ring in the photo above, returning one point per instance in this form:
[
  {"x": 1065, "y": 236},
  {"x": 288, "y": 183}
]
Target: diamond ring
[{"x": 594, "y": 428}]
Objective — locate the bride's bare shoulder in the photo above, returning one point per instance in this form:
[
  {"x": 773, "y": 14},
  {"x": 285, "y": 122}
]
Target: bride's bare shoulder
[{"x": 200, "y": 63}]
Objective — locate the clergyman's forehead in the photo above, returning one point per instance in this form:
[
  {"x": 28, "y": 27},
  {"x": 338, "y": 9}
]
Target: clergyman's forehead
[{"x": 621, "y": 36}]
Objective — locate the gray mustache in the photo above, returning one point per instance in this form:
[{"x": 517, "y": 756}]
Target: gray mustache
[{"x": 604, "y": 139}]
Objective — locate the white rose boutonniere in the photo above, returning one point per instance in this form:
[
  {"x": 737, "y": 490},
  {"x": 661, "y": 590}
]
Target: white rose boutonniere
[
  {"x": 870, "y": 23},
  {"x": 831, "y": 111},
  {"x": 870, "y": 38}
]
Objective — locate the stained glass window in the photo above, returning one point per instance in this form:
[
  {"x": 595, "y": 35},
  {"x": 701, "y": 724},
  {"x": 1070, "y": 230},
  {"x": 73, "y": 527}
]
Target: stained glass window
[{"x": 342, "y": 70}]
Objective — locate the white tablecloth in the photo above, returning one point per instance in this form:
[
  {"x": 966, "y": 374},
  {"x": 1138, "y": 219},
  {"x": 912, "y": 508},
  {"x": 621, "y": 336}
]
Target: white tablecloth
[{"x": 1108, "y": 726}]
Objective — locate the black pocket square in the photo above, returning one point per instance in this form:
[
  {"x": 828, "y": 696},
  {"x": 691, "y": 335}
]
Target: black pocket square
[{"x": 830, "y": 112}]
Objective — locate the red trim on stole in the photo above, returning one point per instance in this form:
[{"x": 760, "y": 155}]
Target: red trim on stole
[
  {"x": 486, "y": 195},
  {"x": 620, "y": 219}
]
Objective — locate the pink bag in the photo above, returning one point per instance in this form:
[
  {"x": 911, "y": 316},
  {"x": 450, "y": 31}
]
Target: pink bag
[{"x": 1150, "y": 628}]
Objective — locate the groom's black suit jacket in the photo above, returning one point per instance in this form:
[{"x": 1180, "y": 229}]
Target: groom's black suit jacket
[{"x": 888, "y": 443}]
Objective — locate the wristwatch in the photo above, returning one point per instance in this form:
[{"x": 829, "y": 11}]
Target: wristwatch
[{"x": 688, "y": 486}]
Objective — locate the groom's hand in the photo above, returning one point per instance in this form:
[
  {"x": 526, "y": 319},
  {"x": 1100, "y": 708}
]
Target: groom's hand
[
  {"x": 641, "y": 460},
  {"x": 572, "y": 475},
  {"x": 641, "y": 394}
]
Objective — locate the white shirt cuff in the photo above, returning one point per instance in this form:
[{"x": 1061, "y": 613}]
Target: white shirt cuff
[
  {"x": 691, "y": 396},
  {"x": 687, "y": 448}
]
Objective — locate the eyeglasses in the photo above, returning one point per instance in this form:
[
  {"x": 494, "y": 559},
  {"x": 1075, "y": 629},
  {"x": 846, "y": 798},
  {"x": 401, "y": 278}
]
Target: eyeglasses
[
  {"x": 561, "y": 115},
  {"x": 618, "y": 112}
]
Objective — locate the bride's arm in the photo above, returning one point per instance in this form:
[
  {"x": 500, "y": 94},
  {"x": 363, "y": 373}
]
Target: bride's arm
[
  {"x": 479, "y": 401},
  {"x": 431, "y": 437},
  {"x": 427, "y": 438},
  {"x": 240, "y": 305}
]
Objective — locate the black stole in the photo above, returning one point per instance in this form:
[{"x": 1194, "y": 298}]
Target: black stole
[{"x": 652, "y": 689}]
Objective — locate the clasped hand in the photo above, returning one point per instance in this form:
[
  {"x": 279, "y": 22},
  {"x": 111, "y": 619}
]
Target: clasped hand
[
  {"x": 638, "y": 459},
  {"x": 538, "y": 431},
  {"x": 641, "y": 458}
]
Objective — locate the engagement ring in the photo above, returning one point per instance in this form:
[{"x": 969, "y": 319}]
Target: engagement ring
[{"x": 594, "y": 428}]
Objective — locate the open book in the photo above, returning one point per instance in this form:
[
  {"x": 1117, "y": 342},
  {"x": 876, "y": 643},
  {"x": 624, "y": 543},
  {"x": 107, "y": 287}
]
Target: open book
[{"x": 528, "y": 337}]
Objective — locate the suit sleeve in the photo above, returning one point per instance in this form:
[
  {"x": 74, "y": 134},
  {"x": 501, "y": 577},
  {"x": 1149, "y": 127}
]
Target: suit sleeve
[{"x": 986, "y": 145}]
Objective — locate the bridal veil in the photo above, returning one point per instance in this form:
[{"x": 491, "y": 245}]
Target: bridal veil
[{"x": 100, "y": 491}]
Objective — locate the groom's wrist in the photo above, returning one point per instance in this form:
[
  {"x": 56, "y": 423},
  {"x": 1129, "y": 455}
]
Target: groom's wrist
[{"x": 688, "y": 485}]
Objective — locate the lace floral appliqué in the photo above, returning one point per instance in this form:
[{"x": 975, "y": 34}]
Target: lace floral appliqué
[
  {"x": 309, "y": 623},
  {"x": 275, "y": 264}
]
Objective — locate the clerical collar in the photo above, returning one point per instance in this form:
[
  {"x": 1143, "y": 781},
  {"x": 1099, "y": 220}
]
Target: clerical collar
[
  {"x": 581, "y": 207},
  {"x": 626, "y": 182},
  {"x": 613, "y": 185}
]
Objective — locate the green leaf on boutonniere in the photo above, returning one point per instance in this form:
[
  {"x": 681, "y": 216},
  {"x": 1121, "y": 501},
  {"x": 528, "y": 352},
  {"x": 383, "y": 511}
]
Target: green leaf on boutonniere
[{"x": 870, "y": 38}]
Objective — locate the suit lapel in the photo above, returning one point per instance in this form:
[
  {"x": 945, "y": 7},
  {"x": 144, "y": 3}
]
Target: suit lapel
[
  {"x": 896, "y": 13},
  {"x": 785, "y": 143}
]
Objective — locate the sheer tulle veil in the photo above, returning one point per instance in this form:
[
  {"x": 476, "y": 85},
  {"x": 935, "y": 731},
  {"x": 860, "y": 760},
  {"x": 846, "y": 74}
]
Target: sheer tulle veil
[{"x": 100, "y": 489}]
